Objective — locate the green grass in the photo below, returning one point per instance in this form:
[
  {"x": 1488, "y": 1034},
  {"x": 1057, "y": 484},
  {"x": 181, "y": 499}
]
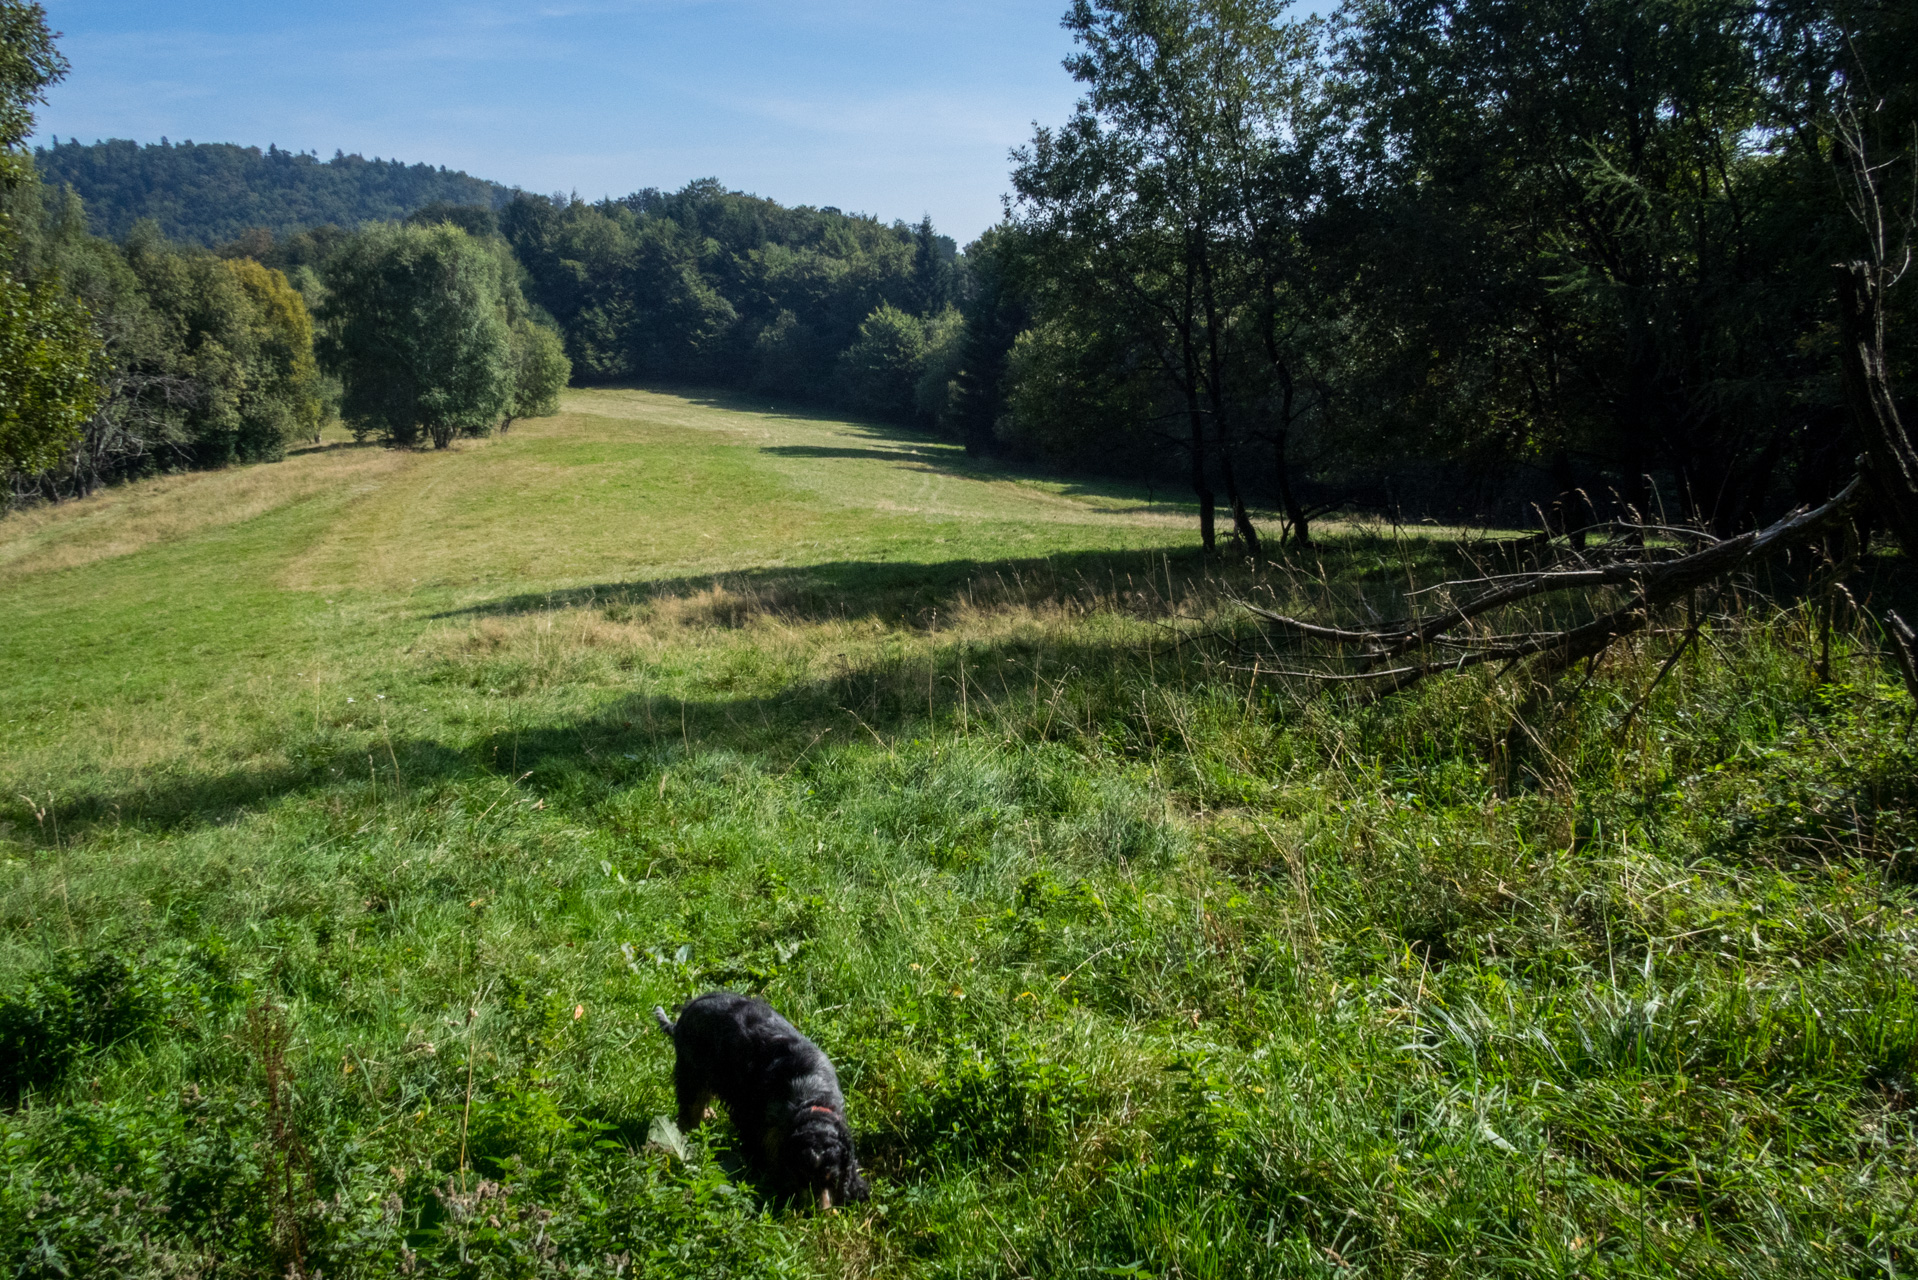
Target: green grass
[{"x": 359, "y": 808}]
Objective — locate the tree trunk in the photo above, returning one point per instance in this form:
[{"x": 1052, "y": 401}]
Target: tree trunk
[
  {"x": 1281, "y": 465},
  {"x": 1241, "y": 520},
  {"x": 1573, "y": 508},
  {"x": 1891, "y": 469},
  {"x": 1281, "y": 462},
  {"x": 1201, "y": 487},
  {"x": 1195, "y": 417},
  {"x": 1215, "y": 393}
]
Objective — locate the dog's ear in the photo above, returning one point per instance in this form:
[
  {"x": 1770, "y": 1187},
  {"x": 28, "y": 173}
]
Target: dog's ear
[
  {"x": 852, "y": 1187},
  {"x": 812, "y": 1155}
]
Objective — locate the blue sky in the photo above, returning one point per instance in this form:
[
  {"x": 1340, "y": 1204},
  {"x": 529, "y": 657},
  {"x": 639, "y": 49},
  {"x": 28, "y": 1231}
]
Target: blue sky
[{"x": 895, "y": 109}]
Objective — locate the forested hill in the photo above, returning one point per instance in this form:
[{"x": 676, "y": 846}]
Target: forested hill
[{"x": 210, "y": 192}]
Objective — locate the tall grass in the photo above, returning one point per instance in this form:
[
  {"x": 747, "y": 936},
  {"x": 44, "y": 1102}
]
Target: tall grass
[{"x": 1136, "y": 958}]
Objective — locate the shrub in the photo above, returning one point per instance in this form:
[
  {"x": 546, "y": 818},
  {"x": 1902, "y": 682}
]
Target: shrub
[{"x": 61, "y": 1012}]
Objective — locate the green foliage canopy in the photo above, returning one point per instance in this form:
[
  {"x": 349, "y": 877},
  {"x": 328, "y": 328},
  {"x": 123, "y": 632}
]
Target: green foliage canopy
[
  {"x": 211, "y": 193},
  {"x": 881, "y": 369},
  {"x": 540, "y": 370},
  {"x": 417, "y": 327},
  {"x": 1568, "y": 257},
  {"x": 47, "y": 389},
  {"x": 29, "y": 63},
  {"x": 709, "y": 285},
  {"x": 47, "y": 350}
]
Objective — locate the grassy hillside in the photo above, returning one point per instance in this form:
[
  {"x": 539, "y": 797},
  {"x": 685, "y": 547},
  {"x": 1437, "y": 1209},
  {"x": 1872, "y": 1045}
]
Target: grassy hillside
[{"x": 358, "y": 808}]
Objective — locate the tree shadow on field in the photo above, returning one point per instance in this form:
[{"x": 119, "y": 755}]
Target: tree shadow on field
[
  {"x": 163, "y": 802},
  {"x": 309, "y": 448},
  {"x": 862, "y": 701},
  {"x": 920, "y": 593},
  {"x": 920, "y": 450},
  {"x": 855, "y": 702},
  {"x": 622, "y": 740},
  {"x": 920, "y": 460},
  {"x": 881, "y": 590}
]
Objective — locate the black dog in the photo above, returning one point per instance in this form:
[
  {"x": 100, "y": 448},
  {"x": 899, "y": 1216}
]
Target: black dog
[{"x": 780, "y": 1090}]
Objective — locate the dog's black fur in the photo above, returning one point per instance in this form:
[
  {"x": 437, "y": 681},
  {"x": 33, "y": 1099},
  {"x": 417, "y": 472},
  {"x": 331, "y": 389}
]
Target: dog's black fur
[{"x": 780, "y": 1090}]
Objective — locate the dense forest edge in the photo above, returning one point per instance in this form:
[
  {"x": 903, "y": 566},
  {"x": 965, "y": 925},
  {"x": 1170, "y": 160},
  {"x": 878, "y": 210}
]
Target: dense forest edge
[{"x": 1339, "y": 283}]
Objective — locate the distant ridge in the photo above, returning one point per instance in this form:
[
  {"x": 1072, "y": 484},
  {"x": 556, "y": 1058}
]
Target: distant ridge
[{"x": 211, "y": 192}]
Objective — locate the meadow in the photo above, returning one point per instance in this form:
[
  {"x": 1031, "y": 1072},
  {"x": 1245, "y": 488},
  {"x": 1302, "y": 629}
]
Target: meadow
[{"x": 359, "y": 808}]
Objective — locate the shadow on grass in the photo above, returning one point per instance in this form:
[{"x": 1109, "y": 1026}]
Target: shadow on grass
[
  {"x": 880, "y": 589},
  {"x": 885, "y": 696},
  {"x": 911, "y": 591},
  {"x": 925, "y": 450},
  {"x": 629, "y": 737},
  {"x": 918, "y": 456},
  {"x": 332, "y": 446}
]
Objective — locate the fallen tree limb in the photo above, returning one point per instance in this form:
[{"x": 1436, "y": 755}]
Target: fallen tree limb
[
  {"x": 1654, "y": 582},
  {"x": 1904, "y": 643}
]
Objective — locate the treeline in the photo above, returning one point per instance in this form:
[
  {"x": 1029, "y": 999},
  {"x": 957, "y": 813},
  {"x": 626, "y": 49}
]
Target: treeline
[
  {"x": 211, "y": 193},
  {"x": 1559, "y": 262},
  {"x": 193, "y": 360},
  {"x": 1563, "y": 261},
  {"x": 701, "y": 285},
  {"x": 1579, "y": 249},
  {"x": 122, "y": 358},
  {"x": 711, "y": 286},
  {"x": 184, "y": 358}
]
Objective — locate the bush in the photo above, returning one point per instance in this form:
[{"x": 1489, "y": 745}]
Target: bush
[
  {"x": 880, "y": 372},
  {"x": 65, "y": 1010},
  {"x": 540, "y": 369},
  {"x": 418, "y": 329}
]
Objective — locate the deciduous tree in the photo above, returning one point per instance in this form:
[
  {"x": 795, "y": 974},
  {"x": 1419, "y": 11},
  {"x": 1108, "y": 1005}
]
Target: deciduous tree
[
  {"x": 48, "y": 352},
  {"x": 417, "y": 328},
  {"x": 540, "y": 372}
]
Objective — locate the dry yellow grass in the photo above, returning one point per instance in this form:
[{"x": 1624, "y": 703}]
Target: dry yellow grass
[{"x": 127, "y": 518}]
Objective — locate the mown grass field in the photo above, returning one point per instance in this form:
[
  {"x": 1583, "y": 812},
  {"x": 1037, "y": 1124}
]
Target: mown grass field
[{"x": 357, "y": 810}]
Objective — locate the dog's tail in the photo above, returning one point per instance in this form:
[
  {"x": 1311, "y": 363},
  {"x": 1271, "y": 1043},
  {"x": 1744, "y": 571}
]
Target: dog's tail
[{"x": 665, "y": 1023}]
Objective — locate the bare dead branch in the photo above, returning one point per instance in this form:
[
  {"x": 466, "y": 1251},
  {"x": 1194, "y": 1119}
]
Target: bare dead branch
[
  {"x": 1654, "y": 584},
  {"x": 1903, "y": 644}
]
